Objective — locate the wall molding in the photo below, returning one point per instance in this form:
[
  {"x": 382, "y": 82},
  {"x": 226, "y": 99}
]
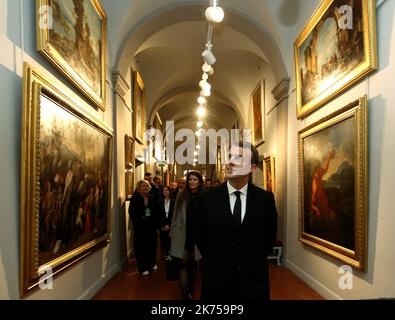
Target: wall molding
[
  {"x": 95, "y": 287},
  {"x": 313, "y": 283},
  {"x": 120, "y": 87},
  {"x": 280, "y": 93}
]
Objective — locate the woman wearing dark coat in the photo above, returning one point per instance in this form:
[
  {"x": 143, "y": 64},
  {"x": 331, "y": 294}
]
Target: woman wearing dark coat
[
  {"x": 166, "y": 214},
  {"x": 143, "y": 211},
  {"x": 182, "y": 233}
]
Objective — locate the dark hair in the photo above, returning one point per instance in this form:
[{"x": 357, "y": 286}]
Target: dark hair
[
  {"x": 147, "y": 174},
  {"x": 197, "y": 175},
  {"x": 254, "y": 151},
  {"x": 186, "y": 193},
  {"x": 211, "y": 180},
  {"x": 165, "y": 187}
]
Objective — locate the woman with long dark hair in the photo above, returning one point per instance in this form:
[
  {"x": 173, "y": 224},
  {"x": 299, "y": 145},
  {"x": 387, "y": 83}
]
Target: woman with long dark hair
[
  {"x": 181, "y": 233},
  {"x": 143, "y": 211}
]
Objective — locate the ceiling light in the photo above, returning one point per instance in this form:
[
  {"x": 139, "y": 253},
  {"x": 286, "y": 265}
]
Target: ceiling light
[
  {"x": 208, "y": 56},
  {"x": 215, "y": 14},
  {"x": 208, "y": 69},
  {"x": 199, "y": 124},
  {"x": 201, "y": 111},
  {"x": 205, "y": 76},
  {"x": 195, "y": 153},
  {"x": 206, "y": 86},
  {"x": 198, "y": 146},
  {"x": 202, "y": 100},
  {"x": 205, "y": 93},
  {"x": 198, "y": 133},
  {"x": 202, "y": 84}
]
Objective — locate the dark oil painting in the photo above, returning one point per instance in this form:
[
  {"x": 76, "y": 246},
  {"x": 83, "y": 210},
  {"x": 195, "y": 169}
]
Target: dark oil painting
[
  {"x": 329, "y": 183},
  {"x": 74, "y": 181}
]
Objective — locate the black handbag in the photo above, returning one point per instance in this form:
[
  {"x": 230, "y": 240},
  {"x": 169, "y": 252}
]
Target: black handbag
[{"x": 172, "y": 269}]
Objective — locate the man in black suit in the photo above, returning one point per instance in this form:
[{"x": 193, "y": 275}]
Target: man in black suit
[{"x": 235, "y": 230}]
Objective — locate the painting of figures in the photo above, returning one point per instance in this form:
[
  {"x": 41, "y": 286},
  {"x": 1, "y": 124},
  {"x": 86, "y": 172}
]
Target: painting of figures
[
  {"x": 65, "y": 180},
  {"x": 75, "y": 42},
  {"x": 329, "y": 184},
  {"x": 333, "y": 183},
  {"x": 337, "y": 47},
  {"x": 74, "y": 181}
]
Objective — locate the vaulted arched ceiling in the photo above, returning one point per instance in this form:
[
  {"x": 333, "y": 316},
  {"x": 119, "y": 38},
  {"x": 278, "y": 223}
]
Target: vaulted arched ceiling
[{"x": 164, "y": 42}]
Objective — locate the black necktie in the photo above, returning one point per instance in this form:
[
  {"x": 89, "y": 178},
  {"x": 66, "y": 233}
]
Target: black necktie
[{"x": 237, "y": 208}]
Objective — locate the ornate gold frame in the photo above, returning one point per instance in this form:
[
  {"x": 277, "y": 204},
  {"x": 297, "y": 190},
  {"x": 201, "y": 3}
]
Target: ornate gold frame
[
  {"x": 357, "y": 258},
  {"x": 34, "y": 84},
  {"x": 261, "y": 87},
  {"x": 356, "y": 74},
  {"x": 138, "y": 84},
  {"x": 129, "y": 164},
  {"x": 48, "y": 51},
  {"x": 271, "y": 160}
]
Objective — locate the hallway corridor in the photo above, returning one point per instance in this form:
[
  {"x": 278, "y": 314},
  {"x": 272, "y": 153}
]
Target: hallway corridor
[{"x": 129, "y": 285}]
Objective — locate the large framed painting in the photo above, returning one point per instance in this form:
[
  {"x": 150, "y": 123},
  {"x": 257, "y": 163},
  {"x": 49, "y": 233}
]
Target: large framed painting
[
  {"x": 138, "y": 107},
  {"x": 72, "y": 35},
  {"x": 333, "y": 181},
  {"x": 269, "y": 174},
  {"x": 337, "y": 48},
  {"x": 259, "y": 116},
  {"x": 66, "y": 160}
]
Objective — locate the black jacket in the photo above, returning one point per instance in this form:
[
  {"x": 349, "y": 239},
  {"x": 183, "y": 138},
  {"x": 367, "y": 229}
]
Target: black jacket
[
  {"x": 235, "y": 263},
  {"x": 163, "y": 220},
  {"x": 137, "y": 213}
]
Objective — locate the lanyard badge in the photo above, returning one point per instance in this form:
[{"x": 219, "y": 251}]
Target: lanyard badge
[{"x": 147, "y": 212}]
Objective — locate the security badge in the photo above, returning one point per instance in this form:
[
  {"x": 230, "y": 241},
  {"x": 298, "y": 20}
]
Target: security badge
[{"x": 147, "y": 212}]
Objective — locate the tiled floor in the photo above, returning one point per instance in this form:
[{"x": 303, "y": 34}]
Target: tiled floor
[{"x": 129, "y": 285}]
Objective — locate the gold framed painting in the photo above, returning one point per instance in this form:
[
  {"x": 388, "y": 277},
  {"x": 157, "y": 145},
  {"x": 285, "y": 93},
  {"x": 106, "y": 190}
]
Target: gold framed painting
[
  {"x": 333, "y": 182},
  {"x": 129, "y": 182},
  {"x": 129, "y": 166},
  {"x": 129, "y": 152},
  {"x": 269, "y": 174},
  {"x": 138, "y": 108},
  {"x": 337, "y": 48},
  {"x": 66, "y": 160},
  {"x": 259, "y": 116},
  {"x": 72, "y": 35}
]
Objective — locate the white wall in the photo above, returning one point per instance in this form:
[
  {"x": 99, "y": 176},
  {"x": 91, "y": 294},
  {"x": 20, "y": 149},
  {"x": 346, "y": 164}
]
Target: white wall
[
  {"x": 18, "y": 44},
  {"x": 275, "y": 140},
  {"x": 318, "y": 269}
]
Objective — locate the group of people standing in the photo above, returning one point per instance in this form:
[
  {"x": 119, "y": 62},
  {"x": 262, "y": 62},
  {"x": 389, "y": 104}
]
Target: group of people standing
[{"x": 228, "y": 228}]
